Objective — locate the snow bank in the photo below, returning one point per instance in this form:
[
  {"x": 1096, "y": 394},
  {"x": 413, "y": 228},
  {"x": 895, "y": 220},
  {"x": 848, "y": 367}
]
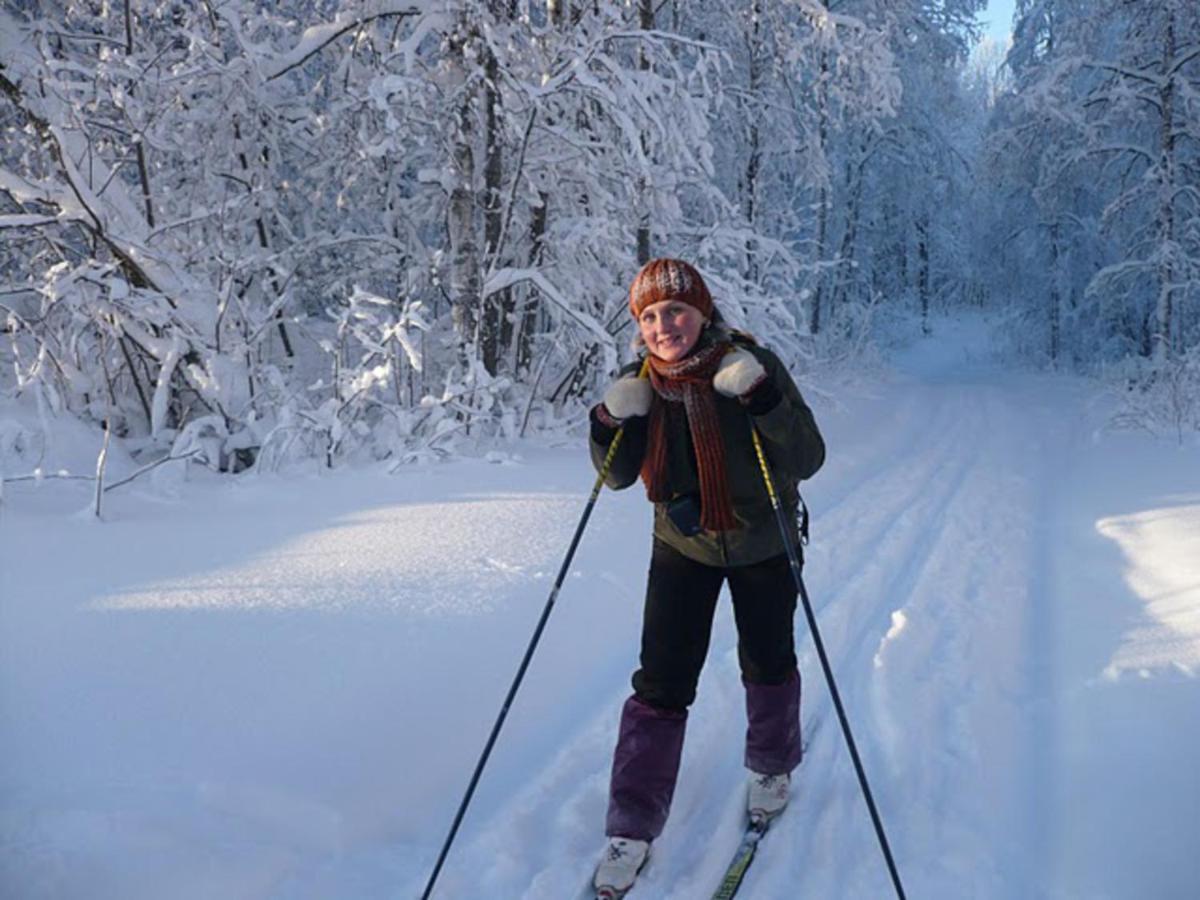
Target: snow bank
[{"x": 1162, "y": 550}]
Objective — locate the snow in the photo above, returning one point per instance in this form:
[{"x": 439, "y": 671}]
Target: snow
[
  {"x": 277, "y": 687},
  {"x": 1162, "y": 552},
  {"x": 317, "y": 36}
]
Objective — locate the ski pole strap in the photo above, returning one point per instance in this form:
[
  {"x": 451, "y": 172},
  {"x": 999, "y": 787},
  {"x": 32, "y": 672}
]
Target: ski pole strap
[
  {"x": 770, "y": 483},
  {"x": 762, "y": 465},
  {"x": 602, "y": 475}
]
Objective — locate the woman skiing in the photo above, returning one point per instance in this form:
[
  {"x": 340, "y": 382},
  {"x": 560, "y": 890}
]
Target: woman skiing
[{"x": 688, "y": 435}]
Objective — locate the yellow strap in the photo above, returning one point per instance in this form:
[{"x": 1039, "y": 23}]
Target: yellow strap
[{"x": 762, "y": 464}]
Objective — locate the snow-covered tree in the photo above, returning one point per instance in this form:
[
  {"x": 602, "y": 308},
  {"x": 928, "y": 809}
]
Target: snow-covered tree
[{"x": 1100, "y": 142}]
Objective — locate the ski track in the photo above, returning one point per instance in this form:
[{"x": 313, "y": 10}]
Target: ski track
[
  {"x": 898, "y": 559},
  {"x": 930, "y": 530}
]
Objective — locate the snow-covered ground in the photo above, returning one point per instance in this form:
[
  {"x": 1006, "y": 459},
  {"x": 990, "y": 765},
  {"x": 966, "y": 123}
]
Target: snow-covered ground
[{"x": 277, "y": 688}]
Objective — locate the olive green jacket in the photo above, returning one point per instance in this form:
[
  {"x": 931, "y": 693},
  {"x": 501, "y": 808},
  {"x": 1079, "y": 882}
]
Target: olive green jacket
[{"x": 791, "y": 441}]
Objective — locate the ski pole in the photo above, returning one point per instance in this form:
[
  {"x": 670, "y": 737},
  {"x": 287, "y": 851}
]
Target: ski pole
[
  {"x": 537, "y": 635},
  {"x": 794, "y": 560}
]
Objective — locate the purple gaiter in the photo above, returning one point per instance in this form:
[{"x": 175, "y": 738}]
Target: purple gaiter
[
  {"x": 773, "y": 745},
  {"x": 645, "y": 765}
]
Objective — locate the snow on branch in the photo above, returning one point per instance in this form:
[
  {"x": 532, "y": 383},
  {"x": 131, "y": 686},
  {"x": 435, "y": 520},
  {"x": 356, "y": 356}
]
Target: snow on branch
[
  {"x": 115, "y": 218},
  {"x": 1117, "y": 272},
  {"x": 1141, "y": 152},
  {"x": 317, "y": 37},
  {"x": 1183, "y": 60},
  {"x": 26, "y": 221},
  {"x": 1152, "y": 78},
  {"x": 505, "y": 278},
  {"x": 22, "y": 190}
]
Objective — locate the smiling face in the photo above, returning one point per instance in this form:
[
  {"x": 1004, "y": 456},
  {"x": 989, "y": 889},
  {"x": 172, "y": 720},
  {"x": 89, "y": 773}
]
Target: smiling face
[{"x": 670, "y": 328}]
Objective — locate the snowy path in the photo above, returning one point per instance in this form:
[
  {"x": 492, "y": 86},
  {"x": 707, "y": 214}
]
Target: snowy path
[{"x": 277, "y": 689}]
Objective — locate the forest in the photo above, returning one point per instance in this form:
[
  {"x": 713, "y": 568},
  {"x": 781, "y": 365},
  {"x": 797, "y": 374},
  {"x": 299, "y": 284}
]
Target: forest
[{"x": 258, "y": 233}]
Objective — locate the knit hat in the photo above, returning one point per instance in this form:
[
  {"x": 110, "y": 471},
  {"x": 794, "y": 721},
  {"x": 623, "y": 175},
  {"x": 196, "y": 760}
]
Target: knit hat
[{"x": 669, "y": 279}]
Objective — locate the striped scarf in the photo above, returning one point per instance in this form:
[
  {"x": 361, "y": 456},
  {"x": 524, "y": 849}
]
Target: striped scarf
[{"x": 689, "y": 381}]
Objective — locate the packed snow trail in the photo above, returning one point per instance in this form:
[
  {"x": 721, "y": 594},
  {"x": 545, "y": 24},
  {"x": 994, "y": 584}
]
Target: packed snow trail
[{"x": 277, "y": 688}]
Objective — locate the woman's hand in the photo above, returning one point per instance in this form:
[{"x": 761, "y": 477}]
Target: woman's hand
[
  {"x": 628, "y": 396},
  {"x": 738, "y": 374}
]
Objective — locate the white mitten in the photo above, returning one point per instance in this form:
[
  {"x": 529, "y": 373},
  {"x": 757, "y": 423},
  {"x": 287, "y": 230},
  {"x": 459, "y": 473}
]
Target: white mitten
[
  {"x": 739, "y": 373},
  {"x": 628, "y": 396}
]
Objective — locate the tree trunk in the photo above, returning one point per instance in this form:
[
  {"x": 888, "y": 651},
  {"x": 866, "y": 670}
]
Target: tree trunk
[
  {"x": 1164, "y": 310},
  {"x": 1056, "y": 280},
  {"x": 465, "y": 287},
  {"x": 754, "y": 154},
  {"x": 528, "y": 319},
  {"x": 140, "y": 145},
  {"x": 496, "y": 328},
  {"x": 845, "y": 256},
  {"x": 923, "y": 270},
  {"x": 646, "y": 23},
  {"x": 814, "y": 322}
]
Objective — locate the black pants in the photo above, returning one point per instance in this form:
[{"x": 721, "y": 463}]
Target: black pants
[{"x": 681, "y": 598}]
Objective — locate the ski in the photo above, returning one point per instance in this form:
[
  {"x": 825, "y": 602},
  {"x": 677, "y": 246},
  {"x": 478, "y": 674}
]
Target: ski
[{"x": 756, "y": 828}]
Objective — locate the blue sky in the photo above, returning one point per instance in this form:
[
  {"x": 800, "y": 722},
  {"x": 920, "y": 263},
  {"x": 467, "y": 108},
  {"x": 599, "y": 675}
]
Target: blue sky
[{"x": 997, "y": 19}]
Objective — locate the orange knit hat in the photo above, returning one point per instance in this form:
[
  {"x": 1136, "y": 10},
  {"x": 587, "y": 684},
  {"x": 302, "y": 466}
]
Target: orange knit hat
[{"x": 669, "y": 279}]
